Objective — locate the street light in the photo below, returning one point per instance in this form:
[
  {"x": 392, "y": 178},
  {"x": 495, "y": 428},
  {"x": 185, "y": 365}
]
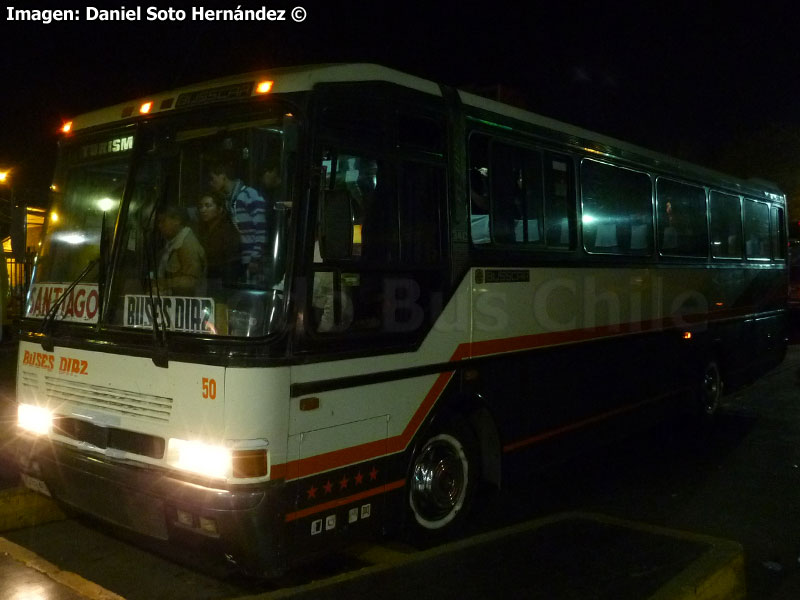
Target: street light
[{"x": 16, "y": 217}]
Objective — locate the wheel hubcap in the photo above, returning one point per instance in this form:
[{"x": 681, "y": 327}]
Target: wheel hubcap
[{"x": 438, "y": 481}]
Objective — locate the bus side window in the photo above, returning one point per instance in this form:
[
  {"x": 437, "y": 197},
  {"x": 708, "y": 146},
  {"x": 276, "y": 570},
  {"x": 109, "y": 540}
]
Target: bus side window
[
  {"x": 516, "y": 194},
  {"x": 520, "y": 195},
  {"x": 756, "y": 229},
  {"x": 617, "y": 209},
  {"x": 357, "y": 227},
  {"x": 380, "y": 245},
  {"x": 479, "y": 189},
  {"x": 559, "y": 201},
  {"x": 682, "y": 227},
  {"x": 778, "y": 234},
  {"x": 726, "y": 225}
]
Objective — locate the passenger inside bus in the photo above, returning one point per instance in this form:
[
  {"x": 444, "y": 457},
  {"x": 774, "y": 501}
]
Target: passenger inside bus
[
  {"x": 221, "y": 242},
  {"x": 182, "y": 265},
  {"x": 678, "y": 235},
  {"x": 248, "y": 209}
]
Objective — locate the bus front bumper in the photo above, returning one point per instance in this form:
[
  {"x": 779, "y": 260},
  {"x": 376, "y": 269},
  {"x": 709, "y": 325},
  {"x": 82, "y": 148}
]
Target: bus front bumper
[{"x": 238, "y": 524}]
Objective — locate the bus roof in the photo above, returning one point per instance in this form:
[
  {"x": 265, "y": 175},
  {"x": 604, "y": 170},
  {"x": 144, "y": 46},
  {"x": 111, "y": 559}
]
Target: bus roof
[
  {"x": 283, "y": 80},
  {"x": 305, "y": 78}
]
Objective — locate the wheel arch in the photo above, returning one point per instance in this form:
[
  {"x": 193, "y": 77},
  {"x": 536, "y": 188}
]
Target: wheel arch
[{"x": 474, "y": 409}]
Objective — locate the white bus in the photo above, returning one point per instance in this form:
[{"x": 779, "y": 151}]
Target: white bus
[{"x": 408, "y": 285}]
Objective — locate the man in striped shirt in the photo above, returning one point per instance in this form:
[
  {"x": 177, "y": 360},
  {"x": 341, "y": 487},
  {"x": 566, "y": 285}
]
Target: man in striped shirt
[{"x": 248, "y": 211}]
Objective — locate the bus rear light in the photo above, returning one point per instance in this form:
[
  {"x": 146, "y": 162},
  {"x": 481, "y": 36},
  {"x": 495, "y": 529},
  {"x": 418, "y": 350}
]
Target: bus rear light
[
  {"x": 34, "y": 419},
  {"x": 250, "y": 463}
]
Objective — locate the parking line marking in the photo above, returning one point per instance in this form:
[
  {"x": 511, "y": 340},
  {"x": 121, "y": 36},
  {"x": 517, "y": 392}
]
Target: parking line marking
[{"x": 717, "y": 573}]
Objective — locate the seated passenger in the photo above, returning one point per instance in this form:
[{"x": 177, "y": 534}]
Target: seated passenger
[
  {"x": 220, "y": 240},
  {"x": 182, "y": 266}
]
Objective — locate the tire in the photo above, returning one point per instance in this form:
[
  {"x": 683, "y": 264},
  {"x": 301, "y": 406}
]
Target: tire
[
  {"x": 442, "y": 481},
  {"x": 709, "y": 390}
]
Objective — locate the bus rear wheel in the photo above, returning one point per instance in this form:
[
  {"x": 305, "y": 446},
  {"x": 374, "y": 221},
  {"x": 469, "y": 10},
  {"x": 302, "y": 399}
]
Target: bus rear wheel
[
  {"x": 709, "y": 391},
  {"x": 443, "y": 480}
]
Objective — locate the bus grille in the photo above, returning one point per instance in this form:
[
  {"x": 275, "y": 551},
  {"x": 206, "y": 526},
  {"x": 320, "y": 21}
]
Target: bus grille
[
  {"x": 110, "y": 437},
  {"x": 112, "y": 400}
]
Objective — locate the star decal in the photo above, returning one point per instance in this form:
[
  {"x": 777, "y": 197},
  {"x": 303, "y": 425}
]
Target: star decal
[
  {"x": 312, "y": 492},
  {"x": 343, "y": 482},
  {"x": 359, "y": 478},
  {"x": 373, "y": 474},
  {"x": 328, "y": 487}
]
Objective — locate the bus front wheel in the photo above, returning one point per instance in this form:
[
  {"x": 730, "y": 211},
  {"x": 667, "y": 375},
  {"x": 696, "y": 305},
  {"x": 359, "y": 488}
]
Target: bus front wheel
[{"x": 443, "y": 479}]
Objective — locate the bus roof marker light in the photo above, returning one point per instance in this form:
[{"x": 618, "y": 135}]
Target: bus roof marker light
[
  {"x": 264, "y": 87},
  {"x": 145, "y": 108},
  {"x": 66, "y": 127}
]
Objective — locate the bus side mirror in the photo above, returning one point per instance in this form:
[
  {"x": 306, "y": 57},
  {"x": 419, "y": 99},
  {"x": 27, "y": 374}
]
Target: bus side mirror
[
  {"x": 336, "y": 239},
  {"x": 18, "y": 232}
]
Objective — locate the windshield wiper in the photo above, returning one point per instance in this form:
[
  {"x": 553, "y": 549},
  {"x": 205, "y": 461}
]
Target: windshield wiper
[
  {"x": 50, "y": 317},
  {"x": 160, "y": 357}
]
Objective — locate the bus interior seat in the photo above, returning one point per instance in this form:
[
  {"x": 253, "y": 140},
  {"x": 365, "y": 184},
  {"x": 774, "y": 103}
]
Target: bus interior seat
[
  {"x": 640, "y": 236},
  {"x": 606, "y": 237}
]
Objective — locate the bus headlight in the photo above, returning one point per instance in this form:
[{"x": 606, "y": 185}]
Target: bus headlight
[
  {"x": 201, "y": 458},
  {"x": 34, "y": 419}
]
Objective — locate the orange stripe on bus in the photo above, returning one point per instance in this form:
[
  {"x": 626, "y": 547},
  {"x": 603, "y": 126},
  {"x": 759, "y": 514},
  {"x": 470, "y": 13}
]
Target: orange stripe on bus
[
  {"x": 347, "y": 456},
  {"x": 577, "y": 425},
  {"x": 293, "y": 516},
  {"x": 362, "y": 452}
]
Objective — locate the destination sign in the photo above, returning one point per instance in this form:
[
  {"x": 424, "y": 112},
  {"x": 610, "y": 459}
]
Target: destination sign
[
  {"x": 179, "y": 313},
  {"x": 114, "y": 146},
  {"x": 81, "y": 306}
]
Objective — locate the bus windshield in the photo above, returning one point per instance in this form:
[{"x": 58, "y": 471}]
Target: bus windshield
[
  {"x": 87, "y": 194},
  {"x": 201, "y": 236}
]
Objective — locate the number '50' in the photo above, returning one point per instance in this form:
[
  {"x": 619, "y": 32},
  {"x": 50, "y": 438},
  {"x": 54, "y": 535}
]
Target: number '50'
[{"x": 209, "y": 388}]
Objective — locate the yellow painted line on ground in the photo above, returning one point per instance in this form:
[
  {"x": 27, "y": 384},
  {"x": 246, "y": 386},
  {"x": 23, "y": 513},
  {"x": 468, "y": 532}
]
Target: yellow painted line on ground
[
  {"x": 716, "y": 575},
  {"x": 87, "y": 589},
  {"x": 21, "y": 507}
]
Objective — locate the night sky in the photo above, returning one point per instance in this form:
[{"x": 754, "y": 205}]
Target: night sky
[{"x": 717, "y": 88}]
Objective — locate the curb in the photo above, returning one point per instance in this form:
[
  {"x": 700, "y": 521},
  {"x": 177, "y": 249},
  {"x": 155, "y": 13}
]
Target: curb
[{"x": 21, "y": 507}]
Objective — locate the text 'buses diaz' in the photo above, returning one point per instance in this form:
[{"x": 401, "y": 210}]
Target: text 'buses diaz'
[{"x": 284, "y": 309}]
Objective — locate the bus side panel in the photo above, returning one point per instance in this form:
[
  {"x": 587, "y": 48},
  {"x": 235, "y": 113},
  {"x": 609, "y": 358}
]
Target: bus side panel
[
  {"x": 257, "y": 408},
  {"x": 339, "y": 503}
]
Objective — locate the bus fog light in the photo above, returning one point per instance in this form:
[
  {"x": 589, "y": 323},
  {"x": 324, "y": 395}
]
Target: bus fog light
[
  {"x": 185, "y": 518},
  {"x": 208, "y": 526},
  {"x": 200, "y": 458},
  {"x": 34, "y": 419}
]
